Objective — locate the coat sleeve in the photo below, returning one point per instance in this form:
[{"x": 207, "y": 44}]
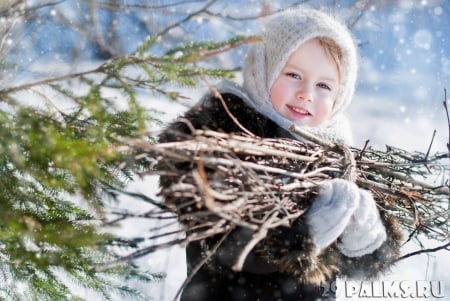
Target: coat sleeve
[
  {"x": 299, "y": 257},
  {"x": 380, "y": 261}
]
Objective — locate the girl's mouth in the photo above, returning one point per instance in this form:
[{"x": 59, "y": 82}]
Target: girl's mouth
[{"x": 299, "y": 111}]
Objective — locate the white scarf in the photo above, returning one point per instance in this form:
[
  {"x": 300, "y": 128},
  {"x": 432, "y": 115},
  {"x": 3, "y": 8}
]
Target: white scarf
[{"x": 336, "y": 131}]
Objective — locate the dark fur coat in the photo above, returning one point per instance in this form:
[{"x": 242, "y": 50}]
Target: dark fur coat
[{"x": 284, "y": 265}]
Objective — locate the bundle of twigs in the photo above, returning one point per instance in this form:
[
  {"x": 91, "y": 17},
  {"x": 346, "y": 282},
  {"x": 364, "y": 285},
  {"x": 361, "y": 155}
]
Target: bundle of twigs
[{"x": 221, "y": 180}]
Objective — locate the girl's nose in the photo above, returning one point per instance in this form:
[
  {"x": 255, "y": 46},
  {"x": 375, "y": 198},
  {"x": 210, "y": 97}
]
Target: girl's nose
[{"x": 303, "y": 93}]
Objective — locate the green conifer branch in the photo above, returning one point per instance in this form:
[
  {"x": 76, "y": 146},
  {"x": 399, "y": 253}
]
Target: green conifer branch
[{"x": 59, "y": 166}]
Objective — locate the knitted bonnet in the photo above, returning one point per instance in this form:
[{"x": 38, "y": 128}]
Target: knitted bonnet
[{"x": 283, "y": 35}]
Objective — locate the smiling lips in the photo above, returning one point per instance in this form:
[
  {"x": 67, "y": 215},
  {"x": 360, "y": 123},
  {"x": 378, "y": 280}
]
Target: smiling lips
[{"x": 299, "y": 111}]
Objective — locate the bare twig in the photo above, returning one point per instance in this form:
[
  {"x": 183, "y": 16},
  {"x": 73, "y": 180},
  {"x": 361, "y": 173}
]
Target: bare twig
[
  {"x": 186, "y": 18},
  {"x": 430, "y": 250},
  {"x": 138, "y": 254},
  {"x": 139, "y": 6},
  {"x": 200, "y": 264},
  {"x": 47, "y": 81},
  {"x": 257, "y": 237},
  {"x": 448, "y": 118},
  {"x": 216, "y": 94},
  {"x": 238, "y": 180},
  {"x": 429, "y": 146},
  {"x": 448, "y": 122},
  {"x": 309, "y": 137},
  {"x": 361, "y": 153}
]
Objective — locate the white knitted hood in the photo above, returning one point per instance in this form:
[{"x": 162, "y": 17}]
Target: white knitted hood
[
  {"x": 283, "y": 35},
  {"x": 337, "y": 131}
]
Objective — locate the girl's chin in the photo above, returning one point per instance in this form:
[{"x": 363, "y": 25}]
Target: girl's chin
[
  {"x": 300, "y": 122},
  {"x": 305, "y": 123}
]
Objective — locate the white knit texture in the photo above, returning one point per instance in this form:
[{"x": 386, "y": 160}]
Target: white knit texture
[
  {"x": 337, "y": 130},
  {"x": 283, "y": 34},
  {"x": 365, "y": 232},
  {"x": 331, "y": 211}
]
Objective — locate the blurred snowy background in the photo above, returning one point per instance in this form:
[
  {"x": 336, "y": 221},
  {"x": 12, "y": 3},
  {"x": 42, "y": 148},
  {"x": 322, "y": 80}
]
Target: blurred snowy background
[{"x": 405, "y": 67}]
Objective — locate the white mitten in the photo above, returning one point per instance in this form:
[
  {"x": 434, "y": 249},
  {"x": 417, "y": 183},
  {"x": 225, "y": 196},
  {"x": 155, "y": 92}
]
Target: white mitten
[
  {"x": 365, "y": 233},
  {"x": 331, "y": 211}
]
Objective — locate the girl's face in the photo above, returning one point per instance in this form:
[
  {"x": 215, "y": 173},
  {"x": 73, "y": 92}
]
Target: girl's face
[{"x": 307, "y": 86}]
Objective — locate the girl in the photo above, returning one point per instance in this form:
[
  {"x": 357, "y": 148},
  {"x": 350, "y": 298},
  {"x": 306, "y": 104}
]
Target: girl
[{"x": 303, "y": 72}]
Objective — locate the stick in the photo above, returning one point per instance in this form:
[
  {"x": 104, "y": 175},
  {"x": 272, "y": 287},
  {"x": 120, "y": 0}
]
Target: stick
[
  {"x": 295, "y": 129},
  {"x": 443, "y": 247},
  {"x": 199, "y": 266},
  {"x": 448, "y": 118},
  {"x": 257, "y": 237}
]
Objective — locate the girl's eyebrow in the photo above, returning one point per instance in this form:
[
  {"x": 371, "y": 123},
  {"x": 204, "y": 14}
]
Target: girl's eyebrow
[
  {"x": 330, "y": 79},
  {"x": 326, "y": 78}
]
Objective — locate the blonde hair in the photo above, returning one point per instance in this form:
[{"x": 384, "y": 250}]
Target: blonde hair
[{"x": 333, "y": 52}]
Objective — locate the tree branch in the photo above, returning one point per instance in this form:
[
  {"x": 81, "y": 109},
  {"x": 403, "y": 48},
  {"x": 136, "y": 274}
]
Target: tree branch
[{"x": 431, "y": 250}]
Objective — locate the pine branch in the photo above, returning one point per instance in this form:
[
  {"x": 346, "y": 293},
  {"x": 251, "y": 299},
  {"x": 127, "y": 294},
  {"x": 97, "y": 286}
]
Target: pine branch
[{"x": 50, "y": 155}]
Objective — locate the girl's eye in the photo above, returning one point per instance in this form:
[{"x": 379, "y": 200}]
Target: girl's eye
[
  {"x": 293, "y": 75},
  {"x": 324, "y": 86}
]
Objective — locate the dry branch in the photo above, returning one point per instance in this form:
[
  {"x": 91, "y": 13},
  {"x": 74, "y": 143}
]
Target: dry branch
[{"x": 214, "y": 182}]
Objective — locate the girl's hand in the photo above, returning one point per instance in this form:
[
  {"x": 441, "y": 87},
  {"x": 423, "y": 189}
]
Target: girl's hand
[
  {"x": 331, "y": 211},
  {"x": 365, "y": 232}
]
